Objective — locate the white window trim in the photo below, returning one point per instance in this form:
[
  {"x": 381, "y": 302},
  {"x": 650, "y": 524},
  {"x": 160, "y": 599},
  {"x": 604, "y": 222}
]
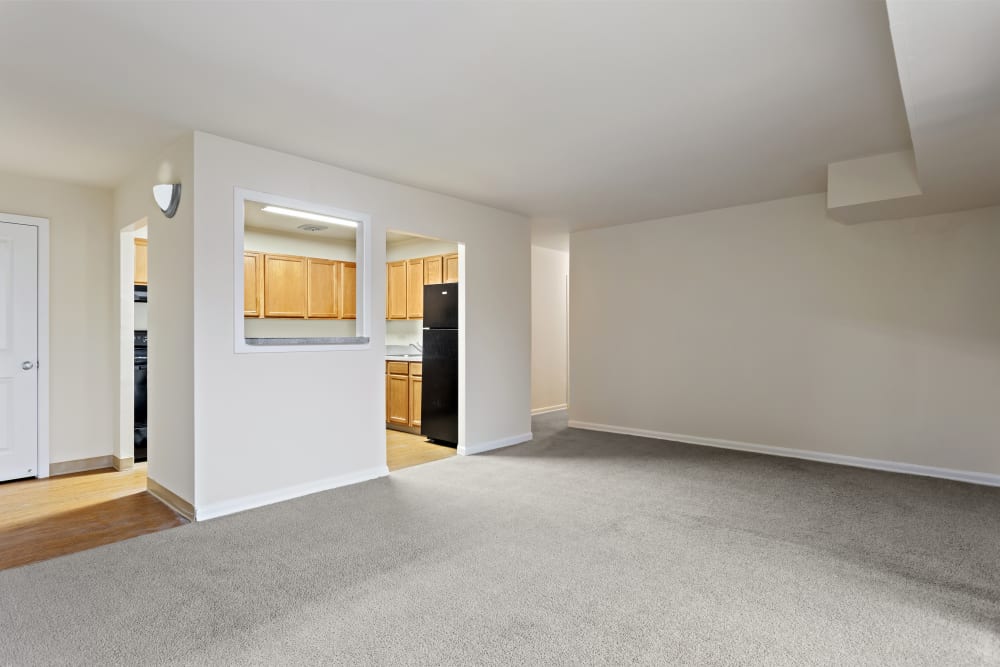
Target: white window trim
[
  {"x": 363, "y": 260},
  {"x": 42, "y": 465}
]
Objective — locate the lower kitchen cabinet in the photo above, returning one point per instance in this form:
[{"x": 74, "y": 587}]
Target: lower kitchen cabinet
[
  {"x": 416, "y": 394},
  {"x": 403, "y": 394},
  {"x": 397, "y": 398}
]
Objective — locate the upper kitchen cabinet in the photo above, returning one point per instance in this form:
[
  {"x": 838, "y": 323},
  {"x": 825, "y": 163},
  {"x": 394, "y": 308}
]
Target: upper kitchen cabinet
[
  {"x": 291, "y": 287},
  {"x": 321, "y": 288},
  {"x": 451, "y": 268},
  {"x": 284, "y": 286},
  {"x": 141, "y": 262},
  {"x": 253, "y": 284},
  {"x": 405, "y": 281},
  {"x": 347, "y": 287},
  {"x": 414, "y": 289},
  {"x": 395, "y": 298},
  {"x": 433, "y": 270}
]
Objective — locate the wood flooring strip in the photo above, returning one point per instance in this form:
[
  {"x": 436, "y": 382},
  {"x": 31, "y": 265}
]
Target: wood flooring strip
[
  {"x": 45, "y": 518},
  {"x": 403, "y": 450}
]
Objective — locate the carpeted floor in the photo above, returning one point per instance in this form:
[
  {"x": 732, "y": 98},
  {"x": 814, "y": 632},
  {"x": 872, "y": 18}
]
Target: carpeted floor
[{"x": 577, "y": 548}]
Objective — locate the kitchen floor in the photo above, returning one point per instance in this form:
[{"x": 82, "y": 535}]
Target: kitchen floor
[
  {"x": 45, "y": 518},
  {"x": 404, "y": 450}
]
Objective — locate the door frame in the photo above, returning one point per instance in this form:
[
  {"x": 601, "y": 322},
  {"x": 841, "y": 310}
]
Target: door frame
[{"x": 42, "y": 225}]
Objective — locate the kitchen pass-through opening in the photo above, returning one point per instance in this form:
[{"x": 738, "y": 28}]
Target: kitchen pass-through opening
[
  {"x": 423, "y": 330},
  {"x": 301, "y": 275}
]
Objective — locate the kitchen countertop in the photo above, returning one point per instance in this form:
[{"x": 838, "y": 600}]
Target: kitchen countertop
[
  {"x": 340, "y": 340},
  {"x": 403, "y": 353}
]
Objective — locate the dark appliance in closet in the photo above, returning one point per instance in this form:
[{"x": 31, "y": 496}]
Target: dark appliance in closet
[{"x": 140, "y": 344}]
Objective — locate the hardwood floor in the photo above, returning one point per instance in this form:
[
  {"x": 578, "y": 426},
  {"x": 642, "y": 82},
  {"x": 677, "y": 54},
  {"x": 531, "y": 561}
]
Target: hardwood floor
[
  {"x": 405, "y": 449},
  {"x": 45, "y": 518}
]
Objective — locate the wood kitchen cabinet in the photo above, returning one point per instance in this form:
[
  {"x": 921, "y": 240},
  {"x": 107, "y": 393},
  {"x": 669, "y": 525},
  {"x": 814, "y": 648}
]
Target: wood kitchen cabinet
[
  {"x": 289, "y": 286},
  {"x": 451, "y": 268},
  {"x": 347, "y": 287},
  {"x": 141, "y": 262},
  {"x": 403, "y": 394},
  {"x": 433, "y": 270},
  {"x": 395, "y": 299},
  {"x": 284, "y": 286},
  {"x": 416, "y": 393},
  {"x": 415, "y": 289},
  {"x": 397, "y": 393},
  {"x": 253, "y": 284},
  {"x": 405, "y": 281},
  {"x": 321, "y": 288}
]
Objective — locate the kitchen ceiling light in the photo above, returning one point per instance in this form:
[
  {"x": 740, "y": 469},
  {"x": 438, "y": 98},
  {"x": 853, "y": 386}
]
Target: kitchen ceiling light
[{"x": 316, "y": 217}]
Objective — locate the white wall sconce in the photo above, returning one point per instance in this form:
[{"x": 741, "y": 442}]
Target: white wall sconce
[{"x": 168, "y": 197}]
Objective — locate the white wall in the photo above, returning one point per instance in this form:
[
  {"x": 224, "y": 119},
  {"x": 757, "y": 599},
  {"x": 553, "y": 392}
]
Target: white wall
[
  {"x": 549, "y": 328},
  {"x": 404, "y": 332},
  {"x": 293, "y": 244},
  {"x": 772, "y": 324},
  {"x": 418, "y": 247},
  {"x": 260, "y": 240},
  {"x": 172, "y": 398},
  {"x": 83, "y": 328},
  {"x": 280, "y": 327},
  {"x": 279, "y": 424}
]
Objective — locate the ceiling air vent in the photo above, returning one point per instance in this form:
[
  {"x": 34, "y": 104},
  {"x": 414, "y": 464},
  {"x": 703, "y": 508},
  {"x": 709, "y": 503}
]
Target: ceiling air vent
[{"x": 311, "y": 228}]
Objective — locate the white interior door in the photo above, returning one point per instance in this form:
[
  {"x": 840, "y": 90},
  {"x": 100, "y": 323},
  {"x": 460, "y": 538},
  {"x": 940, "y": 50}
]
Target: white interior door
[{"x": 18, "y": 350}]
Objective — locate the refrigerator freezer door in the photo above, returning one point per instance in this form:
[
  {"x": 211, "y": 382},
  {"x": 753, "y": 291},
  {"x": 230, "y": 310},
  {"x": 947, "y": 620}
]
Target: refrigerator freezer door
[{"x": 441, "y": 306}]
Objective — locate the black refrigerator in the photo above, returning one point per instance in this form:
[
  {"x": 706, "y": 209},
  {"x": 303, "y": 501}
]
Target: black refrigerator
[{"x": 439, "y": 402}]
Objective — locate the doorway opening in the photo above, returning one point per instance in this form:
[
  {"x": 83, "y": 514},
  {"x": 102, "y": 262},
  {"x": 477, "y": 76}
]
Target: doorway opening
[
  {"x": 423, "y": 336},
  {"x": 85, "y": 503},
  {"x": 132, "y": 445}
]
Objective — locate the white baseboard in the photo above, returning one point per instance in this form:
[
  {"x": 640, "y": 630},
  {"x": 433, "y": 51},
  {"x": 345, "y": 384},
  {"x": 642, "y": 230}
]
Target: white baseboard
[
  {"x": 985, "y": 479},
  {"x": 225, "y": 507},
  {"x": 551, "y": 408},
  {"x": 481, "y": 447},
  {"x": 170, "y": 499},
  {"x": 81, "y": 465}
]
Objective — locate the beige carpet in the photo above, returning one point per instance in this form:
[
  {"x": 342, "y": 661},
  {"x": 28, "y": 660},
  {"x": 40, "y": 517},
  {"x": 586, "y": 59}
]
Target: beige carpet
[{"x": 578, "y": 548}]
